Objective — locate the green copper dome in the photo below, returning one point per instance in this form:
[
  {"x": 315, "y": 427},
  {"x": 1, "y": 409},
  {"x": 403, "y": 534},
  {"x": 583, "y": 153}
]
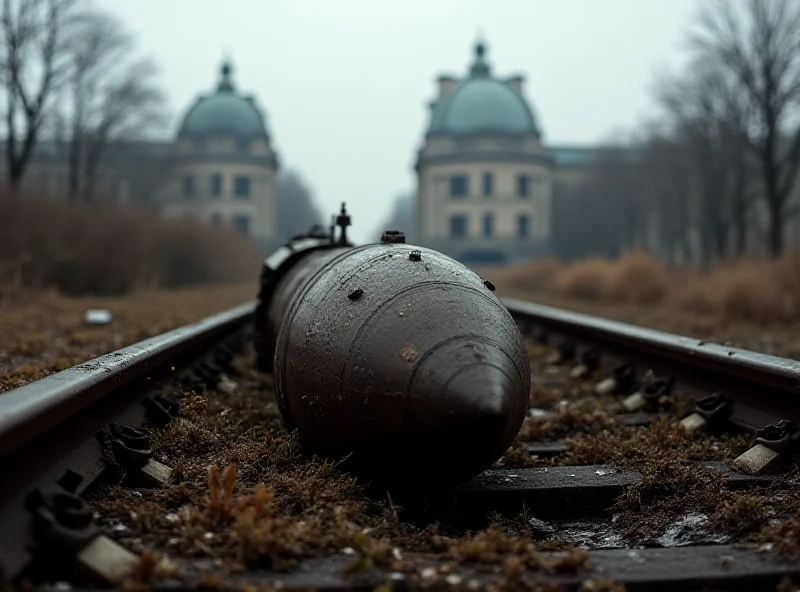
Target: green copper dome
[
  {"x": 224, "y": 113},
  {"x": 481, "y": 103}
]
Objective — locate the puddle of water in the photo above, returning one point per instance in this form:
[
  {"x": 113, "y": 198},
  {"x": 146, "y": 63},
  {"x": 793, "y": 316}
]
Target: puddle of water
[
  {"x": 590, "y": 535},
  {"x": 690, "y": 529}
]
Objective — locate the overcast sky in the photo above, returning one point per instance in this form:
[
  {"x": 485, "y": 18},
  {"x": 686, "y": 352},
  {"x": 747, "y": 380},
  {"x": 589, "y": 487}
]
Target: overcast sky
[{"x": 345, "y": 83}]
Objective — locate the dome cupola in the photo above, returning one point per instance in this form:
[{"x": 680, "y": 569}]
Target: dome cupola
[
  {"x": 224, "y": 113},
  {"x": 482, "y": 103}
]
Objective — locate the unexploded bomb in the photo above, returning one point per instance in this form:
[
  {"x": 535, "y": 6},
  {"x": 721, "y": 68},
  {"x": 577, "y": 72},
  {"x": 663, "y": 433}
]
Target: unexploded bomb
[{"x": 422, "y": 378}]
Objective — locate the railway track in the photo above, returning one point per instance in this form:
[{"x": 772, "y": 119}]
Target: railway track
[{"x": 647, "y": 461}]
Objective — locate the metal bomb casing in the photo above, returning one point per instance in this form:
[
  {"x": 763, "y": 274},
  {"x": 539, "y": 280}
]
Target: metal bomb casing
[{"x": 403, "y": 359}]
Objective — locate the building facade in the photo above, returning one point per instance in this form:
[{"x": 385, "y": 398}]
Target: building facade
[
  {"x": 220, "y": 168},
  {"x": 485, "y": 179},
  {"x": 223, "y": 169}
]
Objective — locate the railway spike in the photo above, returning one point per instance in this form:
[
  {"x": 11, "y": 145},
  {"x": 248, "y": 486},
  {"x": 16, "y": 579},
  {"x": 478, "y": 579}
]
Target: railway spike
[
  {"x": 709, "y": 411},
  {"x": 64, "y": 527},
  {"x": 772, "y": 443},
  {"x": 588, "y": 364},
  {"x": 131, "y": 449},
  {"x": 161, "y": 408},
  {"x": 106, "y": 559},
  {"x": 649, "y": 394},
  {"x": 622, "y": 378}
]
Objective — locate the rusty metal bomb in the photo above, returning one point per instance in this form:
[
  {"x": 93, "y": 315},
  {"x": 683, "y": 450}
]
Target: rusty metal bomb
[{"x": 408, "y": 365}]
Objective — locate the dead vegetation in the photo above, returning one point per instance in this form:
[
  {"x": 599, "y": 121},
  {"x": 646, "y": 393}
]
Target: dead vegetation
[
  {"x": 672, "y": 489},
  {"x": 110, "y": 251},
  {"x": 271, "y": 506},
  {"x": 752, "y": 290},
  {"x": 642, "y": 446},
  {"x": 243, "y": 495},
  {"x": 45, "y": 333}
]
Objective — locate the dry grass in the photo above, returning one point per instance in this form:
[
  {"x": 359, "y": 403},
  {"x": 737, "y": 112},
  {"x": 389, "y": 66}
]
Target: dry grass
[
  {"x": 638, "y": 279},
  {"x": 45, "y": 333},
  {"x": 534, "y": 275},
  {"x": 587, "y": 280},
  {"x": 755, "y": 291},
  {"x": 100, "y": 250}
]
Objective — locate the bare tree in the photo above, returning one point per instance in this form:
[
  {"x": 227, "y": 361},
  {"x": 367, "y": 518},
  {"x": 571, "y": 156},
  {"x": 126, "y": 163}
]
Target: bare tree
[
  {"x": 606, "y": 213},
  {"x": 111, "y": 98},
  {"x": 707, "y": 118},
  {"x": 664, "y": 164},
  {"x": 32, "y": 67},
  {"x": 760, "y": 46}
]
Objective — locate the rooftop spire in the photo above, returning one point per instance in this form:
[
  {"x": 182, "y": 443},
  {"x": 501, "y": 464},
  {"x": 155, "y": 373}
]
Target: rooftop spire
[
  {"x": 225, "y": 84},
  {"x": 480, "y": 67}
]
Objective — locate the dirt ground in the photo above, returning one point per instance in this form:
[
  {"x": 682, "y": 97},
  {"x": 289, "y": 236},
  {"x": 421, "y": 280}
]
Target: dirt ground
[{"x": 45, "y": 333}]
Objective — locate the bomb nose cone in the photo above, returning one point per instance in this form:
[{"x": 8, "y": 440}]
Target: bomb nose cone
[
  {"x": 480, "y": 400},
  {"x": 470, "y": 385},
  {"x": 471, "y": 401}
]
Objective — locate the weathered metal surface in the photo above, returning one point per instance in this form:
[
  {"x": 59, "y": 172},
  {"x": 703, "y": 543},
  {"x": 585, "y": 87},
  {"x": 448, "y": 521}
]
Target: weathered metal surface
[
  {"x": 295, "y": 259},
  {"x": 291, "y": 282},
  {"x": 409, "y": 364}
]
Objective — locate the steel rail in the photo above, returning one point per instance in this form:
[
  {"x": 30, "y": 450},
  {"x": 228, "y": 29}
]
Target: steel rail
[
  {"x": 47, "y": 427},
  {"x": 768, "y": 386},
  {"x": 30, "y": 410}
]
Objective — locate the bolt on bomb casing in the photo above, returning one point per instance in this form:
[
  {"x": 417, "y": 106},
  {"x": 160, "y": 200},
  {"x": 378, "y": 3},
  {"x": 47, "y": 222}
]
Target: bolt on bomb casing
[{"x": 401, "y": 358}]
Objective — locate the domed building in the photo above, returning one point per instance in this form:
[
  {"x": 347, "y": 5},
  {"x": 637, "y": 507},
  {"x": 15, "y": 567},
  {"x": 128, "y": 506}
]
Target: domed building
[
  {"x": 484, "y": 179},
  {"x": 223, "y": 166}
]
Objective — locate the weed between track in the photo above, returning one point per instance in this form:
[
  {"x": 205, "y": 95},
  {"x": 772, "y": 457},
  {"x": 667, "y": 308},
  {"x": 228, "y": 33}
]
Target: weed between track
[{"x": 244, "y": 497}]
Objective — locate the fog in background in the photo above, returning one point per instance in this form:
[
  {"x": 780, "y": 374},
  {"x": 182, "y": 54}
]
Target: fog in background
[{"x": 345, "y": 84}]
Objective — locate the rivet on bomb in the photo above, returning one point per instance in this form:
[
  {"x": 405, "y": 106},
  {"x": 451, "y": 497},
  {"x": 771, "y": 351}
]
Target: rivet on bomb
[
  {"x": 415, "y": 255},
  {"x": 489, "y": 285},
  {"x": 355, "y": 294}
]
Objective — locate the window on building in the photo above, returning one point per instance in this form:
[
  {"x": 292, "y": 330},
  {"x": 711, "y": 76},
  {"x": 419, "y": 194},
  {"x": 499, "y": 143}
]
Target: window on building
[
  {"x": 459, "y": 186},
  {"x": 188, "y": 186},
  {"x": 488, "y": 184},
  {"x": 241, "y": 223},
  {"x": 458, "y": 226},
  {"x": 242, "y": 186},
  {"x": 216, "y": 185},
  {"x": 523, "y": 225},
  {"x": 488, "y": 226},
  {"x": 216, "y": 219},
  {"x": 523, "y": 185}
]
